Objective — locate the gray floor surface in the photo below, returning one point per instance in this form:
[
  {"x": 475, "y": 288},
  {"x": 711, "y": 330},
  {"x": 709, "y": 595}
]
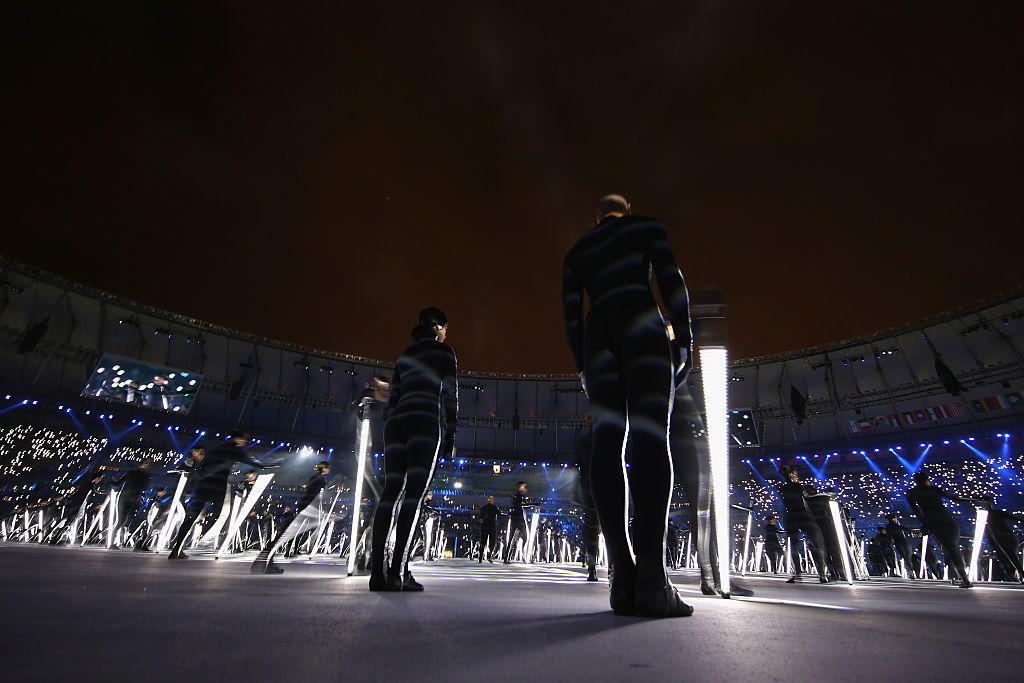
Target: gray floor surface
[{"x": 92, "y": 614}]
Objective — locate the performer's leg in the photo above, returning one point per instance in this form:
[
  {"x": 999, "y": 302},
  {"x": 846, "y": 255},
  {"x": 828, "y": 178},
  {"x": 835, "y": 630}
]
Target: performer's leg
[
  {"x": 193, "y": 509},
  {"x": 395, "y": 457},
  {"x": 422, "y": 454}
]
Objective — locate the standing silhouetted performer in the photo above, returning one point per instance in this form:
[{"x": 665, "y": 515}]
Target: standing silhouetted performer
[
  {"x": 488, "y": 528},
  {"x": 421, "y": 422},
  {"x": 628, "y": 365},
  {"x": 290, "y": 528},
  {"x": 926, "y": 500},
  {"x": 519, "y": 527},
  {"x": 211, "y": 483},
  {"x": 799, "y": 518}
]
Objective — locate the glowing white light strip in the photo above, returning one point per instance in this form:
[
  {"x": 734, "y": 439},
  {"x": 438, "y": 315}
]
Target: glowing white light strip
[
  {"x": 364, "y": 439},
  {"x": 714, "y": 373},
  {"x": 258, "y": 487},
  {"x": 746, "y": 545},
  {"x": 980, "y": 518},
  {"x": 528, "y": 553},
  {"x": 326, "y": 526},
  {"x": 428, "y": 538},
  {"x": 176, "y": 507},
  {"x": 225, "y": 514},
  {"x": 111, "y": 517},
  {"x": 924, "y": 555},
  {"x": 758, "y": 554},
  {"x": 837, "y": 525}
]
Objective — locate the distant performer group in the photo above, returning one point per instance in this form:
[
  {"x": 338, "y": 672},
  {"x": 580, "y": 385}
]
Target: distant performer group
[{"x": 633, "y": 361}]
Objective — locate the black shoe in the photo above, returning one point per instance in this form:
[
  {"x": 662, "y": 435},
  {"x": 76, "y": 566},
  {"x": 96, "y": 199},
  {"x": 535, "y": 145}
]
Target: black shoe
[
  {"x": 381, "y": 582},
  {"x": 792, "y": 579},
  {"x": 490, "y": 560},
  {"x": 622, "y": 589},
  {"x": 822, "y": 579},
  {"x": 507, "y": 562},
  {"x": 661, "y": 603},
  {"x": 592, "y": 574},
  {"x": 966, "y": 584},
  {"x": 740, "y": 591},
  {"x": 258, "y": 567},
  {"x": 706, "y": 588},
  {"x": 480, "y": 561},
  {"x": 273, "y": 568},
  {"x": 177, "y": 556},
  {"x": 411, "y": 584}
]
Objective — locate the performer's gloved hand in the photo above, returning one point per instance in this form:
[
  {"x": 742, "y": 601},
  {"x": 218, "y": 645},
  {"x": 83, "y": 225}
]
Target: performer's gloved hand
[{"x": 682, "y": 363}]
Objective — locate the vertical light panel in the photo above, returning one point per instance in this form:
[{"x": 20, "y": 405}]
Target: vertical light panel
[
  {"x": 980, "y": 519},
  {"x": 840, "y": 531},
  {"x": 111, "y": 517},
  {"x": 364, "y": 439},
  {"x": 746, "y": 544},
  {"x": 921, "y": 573},
  {"x": 714, "y": 373},
  {"x": 241, "y": 512},
  {"x": 173, "y": 513},
  {"x": 528, "y": 550}
]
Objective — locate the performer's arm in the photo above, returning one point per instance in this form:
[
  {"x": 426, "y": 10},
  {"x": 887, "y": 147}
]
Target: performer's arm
[
  {"x": 450, "y": 396},
  {"x": 572, "y": 302},
  {"x": 673, "y": 291}
]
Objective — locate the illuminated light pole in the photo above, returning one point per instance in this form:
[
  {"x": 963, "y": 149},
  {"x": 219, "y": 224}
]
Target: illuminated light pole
[
  {"x": 326, "y": 524},
  {"x": 176, "y": 506},
  {"x": 980, "y": 519},
  {"x": 746, "y": 539},
  {"x": 714, "y": 374},
  {"x": 924, "y": 554},
  {"x": 837, "y": 525},
  {"x": 528, "y": 551},
  {"x": 758, "y": 554},
  {"x": 242, "y": 511},
  {"x": 111, "y": 517},
  {"x": 364, "y": 442}
]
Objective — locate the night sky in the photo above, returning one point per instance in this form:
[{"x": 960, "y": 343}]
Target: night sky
[{"x": 320, "y": 175}]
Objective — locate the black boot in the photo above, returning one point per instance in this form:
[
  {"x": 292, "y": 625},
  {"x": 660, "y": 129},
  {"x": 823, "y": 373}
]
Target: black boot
[
  {"x": 385, "y": 582},
  {"x": 592, "y": 574},
  {"x": 258, "y": 566},
  {"x": 177, "y": 555},
  {"x": 411, "y": 584},
  {"x": 622, "y": 588},
  {"x": 655, "y": 595},
  {"x": 273, "y": 568}
]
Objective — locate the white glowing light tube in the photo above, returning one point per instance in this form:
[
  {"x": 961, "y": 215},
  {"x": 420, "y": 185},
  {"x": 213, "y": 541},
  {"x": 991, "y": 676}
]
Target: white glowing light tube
[
  {"x": 111, "y": 517},
  {"x": 714, "y": 371},
  {"x": 528, "y": 550},
  {"x": 746, "y": 544},
  {"x": 840, "y": 531},
  {"x": 924, "y": 554},
  {"x": 980, "y": 519},
  {"x": 364, "y": 439},
  {"x": 177, "y": 510},
  {"x": 258, "y": 487}
]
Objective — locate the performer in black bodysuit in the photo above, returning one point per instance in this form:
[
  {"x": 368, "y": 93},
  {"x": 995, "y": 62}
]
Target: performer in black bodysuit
[
  {"x": 898, "y": 533},
  {"x": 488, "y": 515},
  {"x": 1004, "y": 541},
  {"x": 772, "y": 544},
  {"x": 628, "y": 367},
  {"x": 133, "y": 483},
  {"x": 519, "y": 526},
  {"x": 421, "y": 423},
  {"x": 74, "y": 505},
  {"x": 212, "y": 483},
  {"x": 799, "y": 518},
  {"x": 926, "y": 501},
  {"x": 264, "y": 562},
  {"x": 886, "y": 551}
]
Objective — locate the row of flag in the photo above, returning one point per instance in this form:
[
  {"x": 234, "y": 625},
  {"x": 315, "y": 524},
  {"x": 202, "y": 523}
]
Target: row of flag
[{"x": 936, "y": 413}]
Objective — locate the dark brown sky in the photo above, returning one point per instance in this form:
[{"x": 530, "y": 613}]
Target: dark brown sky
[{"x": 319, "y": 175}]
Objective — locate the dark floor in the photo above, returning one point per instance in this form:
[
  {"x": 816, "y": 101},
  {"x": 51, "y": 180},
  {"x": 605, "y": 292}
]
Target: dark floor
[{"x": 112, "y": 615}]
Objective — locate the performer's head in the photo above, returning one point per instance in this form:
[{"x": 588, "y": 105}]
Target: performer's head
[
  {"x": 197, "y": 453},
  {"x": 490, "y": 500},
  {"x": 521, "y": 486},
  {"x": 921, "y": 478},
  {"x": 891, "y": 517},
  {"x": 145, "y": 464},
  {"x": 614, "y": 205},
  {"x": 433, "y": 324},
  {"x": 323, "y": 467},
  {"x": 789, "y": 474},
  {"x": 239, "y": 437},
  {"x": 772, "y": 520},
  {"x": 428, "y": 496}
]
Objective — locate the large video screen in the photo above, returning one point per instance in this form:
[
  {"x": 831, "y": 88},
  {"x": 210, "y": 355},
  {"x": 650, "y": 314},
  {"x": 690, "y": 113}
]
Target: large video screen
[{"x": 142, "y": 384}]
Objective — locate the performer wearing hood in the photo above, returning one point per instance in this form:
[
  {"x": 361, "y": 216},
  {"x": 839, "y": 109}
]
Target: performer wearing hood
[{"x": 421, "y": 423}]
